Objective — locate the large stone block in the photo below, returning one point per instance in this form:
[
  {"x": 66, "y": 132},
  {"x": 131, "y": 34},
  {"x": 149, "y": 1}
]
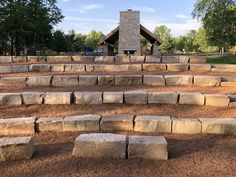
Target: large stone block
[
  {"x": 147, "y": 147},
  {"x": 154, "y": 67},
  {"x": 13, "y": 81},
  {"x": 160, "y": 124},
  {"x": 118, "y": 122},
  {"x": 10, "y": 99},
  {"x": 219, "y": 125},
  {"x": 184, "y": 59},
  {"x": 58, "y": 59},
  {"x": 35, "y": 81},
  {"x": 5, "y": 59},
  {"x": 137, "y": 59},
  {"x": 39, "y": 68},
  {"x": 192, "y": 98},
  {"x": 177, "y": 67},
  {"x": 111, "y": 68},
  {"x": 136, "y": 97},
  {"x": 157, "y": 80},
  {"x": 200, "y": 67},
  {"x": 134, "y": 67},
  {"x": 128, "y": 79},
  {"x": 100, "y": 145},
  {"x": 81, "y": 123},
  {"x": 88, "y": 97},
  {"x": 122, "y": 59},
  {"x": 197, "y": 59},
  {"x": 179, "y": 79},
  {"x": 57, "y": 98},
  {"x": 32, "y": 98},
  {"x": 104, "y": 59},
  {"x": 113, "y": 97},
  {"x": 87, "y": 59},
  {"x": 57, "y": 67},
  {"x": 5, "y": 69},
  {"x": 152, "y": 59},
  {"x": 228, "y": 84},
  {"x": 20, "y": 148},
  {"x": 74, "y": 67},
  {"x": 186, "y": 126},
  {"x": 88, "y": 80},
  {"x": 19, "y": 68},
  {"x": 17, "y": 59},
  {"x": 106, "y": 80},
  {"x": 207, "y": 80},
  {"x": 65, "y": 81},
  {"x": 170, "y": 59},
  {"x": 217, "y": 100},
  {"x": 50, "y": 124},
  {"x": 33, "y": 59},
  {"x": 162, "y": 97},
  {"x": 89, "y": 67},
  {"x": 17, "y": 126}
]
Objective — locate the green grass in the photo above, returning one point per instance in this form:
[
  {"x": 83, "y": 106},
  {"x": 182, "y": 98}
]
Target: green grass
[{"x": 225, "y": 60}]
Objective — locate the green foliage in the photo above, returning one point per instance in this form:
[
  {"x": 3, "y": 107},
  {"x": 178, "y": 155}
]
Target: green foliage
[{"x": 93, "y": 38}]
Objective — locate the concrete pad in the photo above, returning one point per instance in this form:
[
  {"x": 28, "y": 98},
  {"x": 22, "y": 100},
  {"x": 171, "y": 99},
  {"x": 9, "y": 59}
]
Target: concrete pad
[
  {"x": 57, "y": 98},
  {"x": 228, "y": 84},
  {"x": 83, "y": 58},
  {"x": 154, "y": 67},
  {"x": 160, "y": 124},
  {"x": 10, "y": 99},
  {"x": 118, "y": 122},
  {"x": 57, "y": 68},
  {"x": 170, "y": 59},
  {"x": 35, "y": 81},
  {"x": 32, "y": 98},
  {"x": 39, "y": 68},
  {"x": 197, "y": 59},
  {"x": 81, "y": 123},
  {"x": 88, "y": 80},
  {"x": 18, "y": 59},
  {"x": 225, "y": 126},
  {"x": 128, "y": 79},
  {"x": 74, "y": 67},
  {"x": 154, "y": 80},
  {"x": 17, "y": 126},
  {"x": 113, "y": 97},
  {"x": 106, "y": 80},
  {"x": 65, "y": 81},
  {"x": 100, "y": 145},
  {"x": 59, "y": 59},
  {"x": 104, "y": 59},
  {"x": 207, "y": 80},
  {"x": 136, "y": 97},
  {"x": 177, "y": 67},
  {"x": 152, "y": 59},
  {"x": 19, "y": 68},
  {"x": 192, "y": 98},
  {"x": 217, "y": 100},
  {"x": 6, "y": 59},
  {"x": 147, "y": 147},
  {"x": 88, "y": 97},
  {"x": 186, "y": 126},
  {"x": 184, "y": 59},
  {"x": 50, "y": 124},
  {"x": 5, "y": 69},
  {"x": 200, "y": 67},
  {"x": 122, "y": 59},
  {"x": 13, "y": 149},
  {"x": 162, "y": 97},
  {"x": 179, "y": 79},
  {"x": 13, "y": 81},
  {"x": 137, "y": 59}
]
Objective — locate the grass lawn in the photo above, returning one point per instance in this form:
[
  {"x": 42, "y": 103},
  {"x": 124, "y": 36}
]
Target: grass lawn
[{"x": 225, "y": 60}]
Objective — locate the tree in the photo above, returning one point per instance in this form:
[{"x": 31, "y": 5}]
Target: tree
[
  {"x": 93, "y": 39},
  {"x": 180, "y": 43},
  {"x": 79, "y": 42},
  {"x": 59, "y": 42}
]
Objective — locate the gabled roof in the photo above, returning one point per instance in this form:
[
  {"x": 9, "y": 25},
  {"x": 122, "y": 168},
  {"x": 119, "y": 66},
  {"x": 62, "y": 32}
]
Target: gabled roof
[{"x": 111, "y": 37}]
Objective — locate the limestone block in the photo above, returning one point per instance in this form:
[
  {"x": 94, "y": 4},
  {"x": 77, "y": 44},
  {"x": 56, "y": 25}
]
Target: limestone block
[
  {"x": 217, "y": 100},
  {"x": 219, "y": 125},
  {"x": 57, "y": 67},
  {"x": 13, "y": 81},
  {"x": 33, "y": 59},
  {"x": 33, "y": 98},
  {"x": 232, "y": 104},
  {"x": 113, "y": 97},
  {"x": 81, "y": 123},
  {"x": 177, "y": 67},
  {"x": 170, "y": 59},
  {"x": 88, "y": 97},
  {"x": 122, "y": 59},
  {"x": 100, "y": 145},
  {"x": 39, "y": 68},
  {"x": 10, "y": 99},
  {"x": 89, "y": 67},
  {"x": 5, "y": 69},
  {"x": 17, "y": 126},
  {"x": 128, "y": 79},
  {"x": 154, "y": 67},
  {"x": 42, "y": 58},
  {"x": 17, "y": 59},
  {"x": 136, "y": 59},
  {"x": 74, "y": 67},
  {"x": 19, "y": 68},
  {"x": 162, "y": 97},
  {"x": 186, "y": 126},
  {"x": 65, "y": 81},
  {"x": 184, "y": 59},
  {"x": 223, "y": 69},
  {"x": 200, "y": 67},
  {"x": 57, "y": 98},
  {"x": 160, "y": 124},
  {"x": 158, "y": 80},
  {"x": 152, "y": 59},
  {"x": 104, "y": 59},
  {"x": 118, "y": 122},
  {"x": 58, "y": 58},
  {"x": 88, "y": 80},
  {"x": 5, "y": 59},
  {"x": 179, "y": 79},
  {"x": 50, "y": 124},
  {"x": 192, "y": 98},
  {"x": 147, "y": 147},
  {"x": 20, "y": 148},
  {"x": 135, "y": 97},
  {"x": 111, "y": 68},
  {"x": 135, "y": 67},
  {"x": 35, "y": 81},
  {"x": 207, "y": 80},
  {"x": 197, "y": 59},
  {"x": 87, "y": 59},
  {"x": 106, "y": 80},
  {"x": 228, "y": 84}
]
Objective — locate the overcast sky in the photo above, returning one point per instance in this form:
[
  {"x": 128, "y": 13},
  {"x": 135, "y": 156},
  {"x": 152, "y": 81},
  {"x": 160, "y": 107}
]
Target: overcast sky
[{"x": 103, "y": 15}]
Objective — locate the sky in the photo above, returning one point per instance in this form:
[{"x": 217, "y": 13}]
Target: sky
[{"x": 103, "y": 15}]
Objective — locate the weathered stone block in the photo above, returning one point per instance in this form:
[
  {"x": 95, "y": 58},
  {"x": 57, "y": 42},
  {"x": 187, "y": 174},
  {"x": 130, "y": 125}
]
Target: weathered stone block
[
  {"x": 10, "y": 99},
  {"x": 158, "y": 80},
  {"x": 217, "y": 100},
  {"x": 113, "y": 97},
  {"x": 177, "y": 67},
  {"x": 184, "y": 59},
  {"x": 122, "y": 59},
  {"x": 17, "y": 59},
  {"x": 128, "y": 79},
  {"x": 88, "y": 97},
  {"x": 179, "y": 79},
  {"x": 200, "y": 67},
  {"x": 170, "y": 59},
  {"x": 5, "y": 59},
  {"x": 160, "y": 124},
  {"x": 88, "y": 80},
  {"x": 186, "y": 126},
  {"x": 135, "y": 97},
  {"x": 228, "y": 84},
  {"x": 134, "y": 59},
  {"x": 19, "y": 68},
  {"x": 154, "y": 67},
  {"x": 162, "y": 97},
  {"x": 100, "y": 145},
  {"x": 111, "y": 68},
  {"x": 65, "y": 81},
  {"x": 39, "y": 68},
  {"x": 57, "y": 67},
  {"x": 57, "y": 98},
  {"x": 20, "y": 148},
  {"x": 35, "y": 81},
  {"x": 207, "y": 80},
  {"x": 81, "y": 123},
  {"x": 118, "y": 122},
  {"x": 74, "y": 67},
  {"x": 135, "y": 67},
  {"x": 13, "y": 81},
  {"x": 104, "y": 59},
  {"x": 152, "y": 59},
  {"x": 5, "y": 69},
  {"x": 192, "y": 98},
  {"x": 83, "y": 58},
  {"x": 89, "y": 67},
  {"x": 147, "y": 147},
  {"x": 106, "y": 80},
  {"x": 58, "y": 58},
  {"x": 32, "y": 58},
  {"x": 32, "y": 98},
  {"x": 197, "y": 59},
  {"x": 50, "y": 124}
]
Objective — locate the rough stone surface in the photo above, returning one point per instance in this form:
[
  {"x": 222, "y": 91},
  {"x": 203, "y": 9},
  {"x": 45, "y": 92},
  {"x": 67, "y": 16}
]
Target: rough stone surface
[
  {"x": 136, "y": 97},
  {"x": 10, "y": 99},
  {"x": 186, "y": 126},
  {"x": 152, "y": 59},
  {"x": 50, "y": 124},
  {"x": 5, "y": 69},
  {"x": 128, "y": 79},
  {"x": 83, "y": 58},
  {"x": 57, "y": 68},
  {"x": 32, "y": 98},
  {"x": 170, "y": 59},
  {"x": 74, "y": 68},
  {"x": 192, "y": 98},
  {"x": 65, "y": 81},
  {"x": 113, "y": 97},
  {"x": 35, "y": 81},
  {"x": 88, "y": 80},
  {"x": 100, "y": 145},
  {"x": 134, "y": 59},
  {"x": 178, "y": 67},
  {"x": 158, "y": 80},
  {"x": 207, "y": 80},
  {"x": 13, "y": 81},
  {"x": 32, "y": 58},
  {"x": 200, "y": 67},
  {"x": 5, "y": 59},
  {"x": 228, "y": 84},
  {"x": 197, "y": 59},
  {"x": 58, "y": 58},
  {"x": 106, "y": 80},
  {"x": 88, "y": 97},
  {"x": 122, "y": 59},
  {"x": 162, "y": 97},
  {"x": 19, "y": 68},
  {"x": 160, "y": 124},
  {"x": 217, "y": 100},
  {"x": 57, "y": 98},
  {"x": 154, "y": 67},
  {"x": 179, "y": 79},
  {"x": 111, "y": 68},
  {"x": 17, "y": 59},
  {"x": 134, "y": 67},
  {"x": 104, "y": 59},
  {"x": 39, "y": 68},
  {"x": 219, "y": 126},
  {"x": 147, "y": 147},
  {"x": 81, "y": 123},
  {"x": 183, "y": 59},
  {"x": 89, "y": 67},
  {"x": 118, "y": 122},
  {"x": 20, "y": 148}
]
